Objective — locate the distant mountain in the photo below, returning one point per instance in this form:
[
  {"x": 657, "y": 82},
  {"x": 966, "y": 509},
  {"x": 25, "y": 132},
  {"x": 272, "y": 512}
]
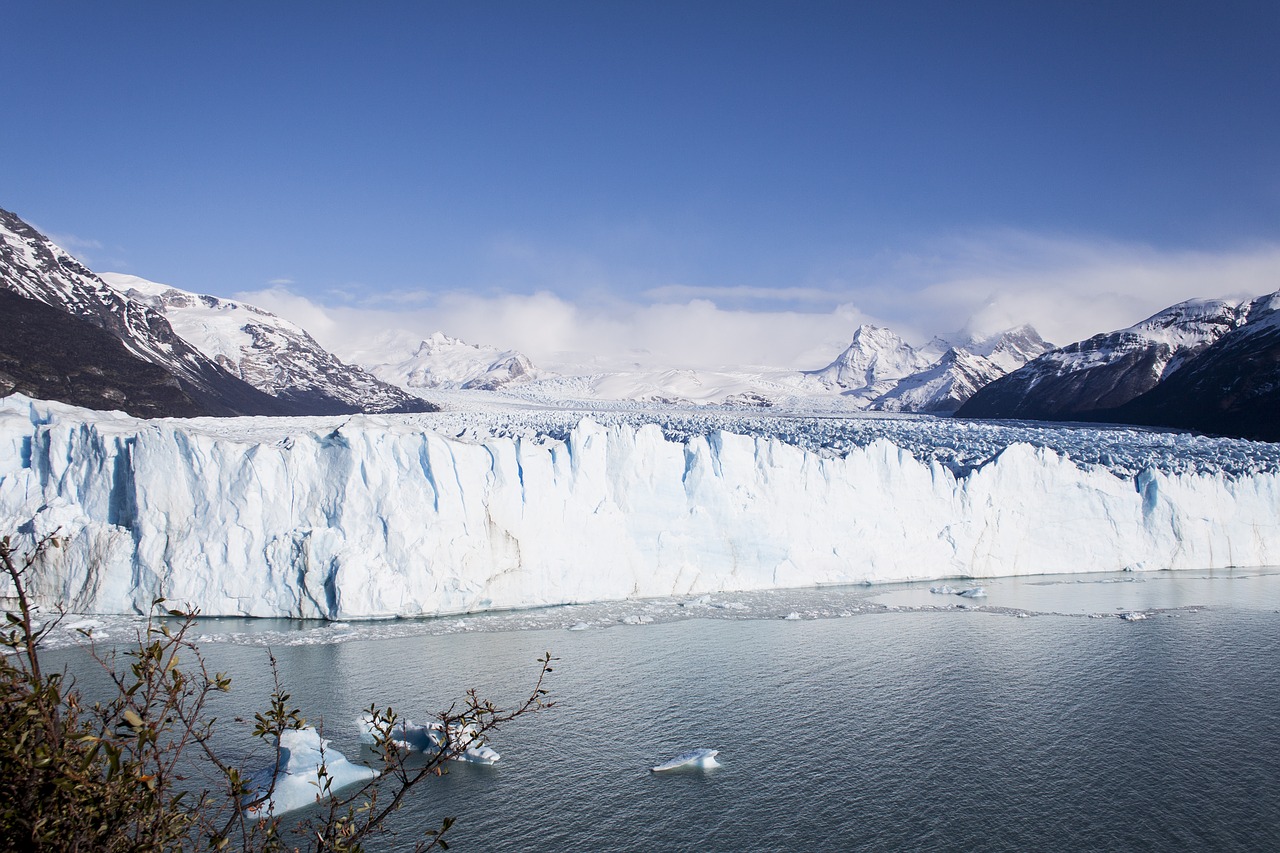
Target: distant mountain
[
  {"x": 873, "y": 362},
  {"x": 1107, "y": 370},
  {"x": 36, "y": 269},
  {"x": 268, "y": 352},
  {"x": 1231, "y": 387},
  {"x": 444, "y": 362},
  {"x": 891, "y": 375}
]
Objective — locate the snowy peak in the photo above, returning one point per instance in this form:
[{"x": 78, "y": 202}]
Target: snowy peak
[
  {"x": 1231, "y": 386},
  {"x": 440, "y": 361},
  {"x": 34, "y": 268},
  {"x": 266, "y": 351},
  {"x": 891, "y": 375},
  {"x": 1108, "y": 370},
  {"x": 1011, "y": 348},
  {"x": 876, "y": 355}
]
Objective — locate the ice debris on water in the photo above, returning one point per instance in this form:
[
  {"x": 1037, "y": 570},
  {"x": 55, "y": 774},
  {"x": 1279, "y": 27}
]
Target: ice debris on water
[
  {"x": 1133, "y": 616},
  {"x": 460, "y": 741},
  {"x": 297, "y": 782},
  {"x": 697, "y": 759},
  {"x": 969, "y": 592}
]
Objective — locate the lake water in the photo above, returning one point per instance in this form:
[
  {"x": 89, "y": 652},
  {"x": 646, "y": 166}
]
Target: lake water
[{"x": 878, "y": 718}]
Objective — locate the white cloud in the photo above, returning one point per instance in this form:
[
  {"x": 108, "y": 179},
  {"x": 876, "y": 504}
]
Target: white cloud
[
  {"x": 70, "y": 242},
  {"x": 742, "y": 293},
  {"x": 557, "y": 333},
  {"x": 1067, "y": 288}
]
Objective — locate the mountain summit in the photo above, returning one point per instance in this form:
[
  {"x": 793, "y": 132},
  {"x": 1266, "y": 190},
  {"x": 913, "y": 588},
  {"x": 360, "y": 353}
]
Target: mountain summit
[
  {"x": 76, "y": 338},
  {"x": 891, "y": 375},
  {"x": 1107, "y": 370},
  {"x": 270, "y": 353}
]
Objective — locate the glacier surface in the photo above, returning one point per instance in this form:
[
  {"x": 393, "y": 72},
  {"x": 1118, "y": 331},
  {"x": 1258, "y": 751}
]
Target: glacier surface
[{"x": 378, "y": 516}]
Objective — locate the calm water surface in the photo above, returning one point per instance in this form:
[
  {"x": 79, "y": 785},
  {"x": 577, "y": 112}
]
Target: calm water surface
[{"x": 928, "y": 728}]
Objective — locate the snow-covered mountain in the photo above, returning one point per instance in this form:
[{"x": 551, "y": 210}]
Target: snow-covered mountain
[
  {"x": 35, "y": 268},
  {"x": 1230, "y": 387},
  {"x": 873, "y": 362},
  {"x": 889, "y": 374},
  {"x": 50, "y": 355},
  {"x": 440, "y": 361},
  {"x": 266, "y": 351},
  {"x": 878, "y": 371},
  {"x": 1107, "y": 370},
  {"x": 399, "y": 515}
]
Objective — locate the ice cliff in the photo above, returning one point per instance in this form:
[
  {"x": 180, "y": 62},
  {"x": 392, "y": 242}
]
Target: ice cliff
[{"x": 377, "y": 516}]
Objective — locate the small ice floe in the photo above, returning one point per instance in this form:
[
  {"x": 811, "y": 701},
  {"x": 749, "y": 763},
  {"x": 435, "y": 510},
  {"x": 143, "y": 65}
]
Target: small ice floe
[
  {"x": 792, "y": 616},
  {"x": 297, "y": 781},
  {"x": 633, "y": 619},
  {"x": 463, "y": 742},
  {"x": 85, "y": 625},
  {"x": 1133, "y": 616},
  {"x": 700, "y": 601},
  {"x": 945, "y": 589},
  {"x": 972, "y": 592},
  {"x": 579, "y": 626},
  {"x": 697, "y": 759}
]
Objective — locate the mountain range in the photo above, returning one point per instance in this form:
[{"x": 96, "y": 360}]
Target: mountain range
[
  {"x": 886, "y": 372},
  {"x": 106, "y": 349},
  {"x": 114, "y": 341},
  {"x": 1210, "y": 365}
]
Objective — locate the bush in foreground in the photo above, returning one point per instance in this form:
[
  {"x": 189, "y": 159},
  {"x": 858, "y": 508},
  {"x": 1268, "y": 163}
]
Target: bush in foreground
[{"x": 125, "y": 774}]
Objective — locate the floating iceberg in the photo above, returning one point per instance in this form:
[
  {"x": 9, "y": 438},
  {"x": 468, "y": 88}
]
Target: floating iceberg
[
  {"x": 972, "y": 592},
  {"x": 697, "y": 759},
  {"x": 462, "y": 742},
  {"x": 297, "y": 780}
]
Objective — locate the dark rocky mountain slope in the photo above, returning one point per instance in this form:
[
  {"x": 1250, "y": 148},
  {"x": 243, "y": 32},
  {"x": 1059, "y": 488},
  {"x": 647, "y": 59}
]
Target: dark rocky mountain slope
[
  {"x": 1107, "y": 370},
  {"x": 35, "y": 269},
  {"x": 1206, "y": 365}
]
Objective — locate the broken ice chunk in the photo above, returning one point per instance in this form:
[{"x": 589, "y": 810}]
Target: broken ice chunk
[
  {"x": 297, "y": 779},
  {"x": 698, "y": 759},
  {"x": 463, "y": 742}
]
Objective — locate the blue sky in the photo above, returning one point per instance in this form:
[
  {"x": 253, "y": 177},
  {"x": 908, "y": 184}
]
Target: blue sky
[{"x": 437, "y": 163}]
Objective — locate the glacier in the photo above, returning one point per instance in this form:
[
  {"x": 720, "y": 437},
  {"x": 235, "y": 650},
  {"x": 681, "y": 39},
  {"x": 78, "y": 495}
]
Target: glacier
[{"x": 373, "y": 516}]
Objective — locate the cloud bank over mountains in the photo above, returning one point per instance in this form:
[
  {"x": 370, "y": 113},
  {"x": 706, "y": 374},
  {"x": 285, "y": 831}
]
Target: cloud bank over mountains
[{"x": 1068, "y": 288}]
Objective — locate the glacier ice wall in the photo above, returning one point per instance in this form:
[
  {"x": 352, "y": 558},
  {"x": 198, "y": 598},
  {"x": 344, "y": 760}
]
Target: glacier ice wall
[{"x": 376, "y": 516}]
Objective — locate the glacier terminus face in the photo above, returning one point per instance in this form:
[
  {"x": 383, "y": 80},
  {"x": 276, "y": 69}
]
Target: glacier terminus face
[{"x": 415, "y": 515}]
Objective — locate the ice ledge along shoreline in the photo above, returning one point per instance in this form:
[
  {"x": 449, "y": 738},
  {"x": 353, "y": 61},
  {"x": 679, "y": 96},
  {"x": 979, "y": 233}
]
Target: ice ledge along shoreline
[{"x": 379, "y": 517}]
